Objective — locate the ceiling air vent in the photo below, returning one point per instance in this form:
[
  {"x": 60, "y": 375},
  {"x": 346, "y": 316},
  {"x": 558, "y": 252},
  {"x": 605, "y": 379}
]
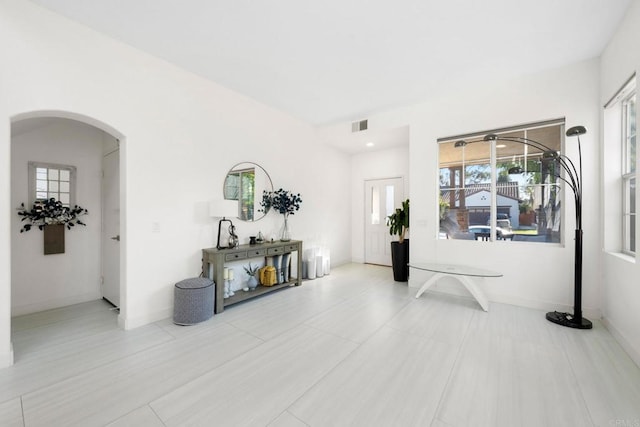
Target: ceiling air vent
[{"x": 359, "y": 126}]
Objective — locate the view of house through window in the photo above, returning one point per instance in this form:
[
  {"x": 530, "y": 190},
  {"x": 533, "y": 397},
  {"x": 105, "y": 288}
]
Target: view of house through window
[
  {"x": 513, "y": 178},
  {"x": 51, "y": 181}
]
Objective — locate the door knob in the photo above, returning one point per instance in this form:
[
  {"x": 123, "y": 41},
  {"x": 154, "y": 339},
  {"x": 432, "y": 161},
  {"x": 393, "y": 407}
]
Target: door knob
[{"x": 116, "y": 238}]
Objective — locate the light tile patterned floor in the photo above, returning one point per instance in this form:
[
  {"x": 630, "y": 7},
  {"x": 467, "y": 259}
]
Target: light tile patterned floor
[{"x": 350, "y": 349}]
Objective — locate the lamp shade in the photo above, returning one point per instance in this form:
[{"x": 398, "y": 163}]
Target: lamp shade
[{"x": 222, "y": 208}]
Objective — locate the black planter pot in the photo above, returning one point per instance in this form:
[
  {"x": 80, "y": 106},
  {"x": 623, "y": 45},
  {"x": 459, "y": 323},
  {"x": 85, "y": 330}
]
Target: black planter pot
[{"x": 400, "y": 260}]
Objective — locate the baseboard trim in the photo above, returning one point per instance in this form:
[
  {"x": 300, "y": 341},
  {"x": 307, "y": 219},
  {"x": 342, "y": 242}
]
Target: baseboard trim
[
  {"x": 626, "y": 345},
  {"x": 128, "y": 323},
  {"x": 458, "y": 290},
  {"x": 6, "y": 359},
  {"x": 53, "y": 303}
]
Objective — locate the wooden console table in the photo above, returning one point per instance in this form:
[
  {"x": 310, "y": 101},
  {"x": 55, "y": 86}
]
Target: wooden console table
[{"x": 216, "y": 258}]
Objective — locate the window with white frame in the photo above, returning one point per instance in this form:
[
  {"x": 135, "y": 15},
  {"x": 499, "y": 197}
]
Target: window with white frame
[
  {"x": 619, "y": 170},
  {"x": 477, "y": 182},
  {"x": 629, "y": 172},
  {"x": 52, "y": 181}
]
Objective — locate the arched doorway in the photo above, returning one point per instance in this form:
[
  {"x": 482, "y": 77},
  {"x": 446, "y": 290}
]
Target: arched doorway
[{"x": 49, "y": 282}]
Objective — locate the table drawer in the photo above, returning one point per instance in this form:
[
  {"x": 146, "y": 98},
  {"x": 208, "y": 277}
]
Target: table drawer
[
  {"x": 235, "y": 256},
  {"x": 291, "y": 248},
  {"x": 256, "y": 252},
  {"x": 276, "y": 251}
]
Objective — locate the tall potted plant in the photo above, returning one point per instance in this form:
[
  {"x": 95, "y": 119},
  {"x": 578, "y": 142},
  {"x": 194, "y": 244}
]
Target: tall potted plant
[{"x": 398, "y": 223}]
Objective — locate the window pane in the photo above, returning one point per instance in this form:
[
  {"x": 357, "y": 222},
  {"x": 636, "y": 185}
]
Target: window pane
[
  {"x": 53, "y": 185},
  {"x": 477, "y": 174},
  {"x": 629, "y": 141},
  {"x": 390, "y": 199},
  {"x": 450, "y": 165},
  {"x": 54, "y": 174},
  {"x": 632, "y": 234},
  {"x": 65, "y": 175},
  {"x": 632, "y": 133},
  {"x": 41, "y": 185},
  {"x": 629, "y": 244},
  {"x": 64, "y": 198},
  {"x": 375, "y": 205},
  {"x": 632, "y": 153},
  {"x": 64, "y": 187},
  {"x": 632, "y": 195},
  {"x": 40, "y": 195},
  {"x": 630, "y": 216}
]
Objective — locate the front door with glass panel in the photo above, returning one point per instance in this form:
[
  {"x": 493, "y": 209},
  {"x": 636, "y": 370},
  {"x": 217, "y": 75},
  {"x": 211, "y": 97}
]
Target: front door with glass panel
[{"x": 382, "y": 197}]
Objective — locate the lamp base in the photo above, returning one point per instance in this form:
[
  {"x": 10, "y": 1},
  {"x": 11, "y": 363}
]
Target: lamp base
[{"x": 567, "y": 319}]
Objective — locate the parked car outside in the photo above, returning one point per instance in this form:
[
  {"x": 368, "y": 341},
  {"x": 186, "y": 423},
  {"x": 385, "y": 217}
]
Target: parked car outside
[
  {"x": 503, "y": 221},
  {"x": 501, "y": 233}
]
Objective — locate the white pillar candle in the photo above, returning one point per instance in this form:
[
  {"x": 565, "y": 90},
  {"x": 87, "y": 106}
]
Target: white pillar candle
[{"x": 226, "y": 273}]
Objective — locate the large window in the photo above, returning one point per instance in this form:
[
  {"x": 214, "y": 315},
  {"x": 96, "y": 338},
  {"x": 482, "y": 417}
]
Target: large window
[{"x": 497, "y": 190}]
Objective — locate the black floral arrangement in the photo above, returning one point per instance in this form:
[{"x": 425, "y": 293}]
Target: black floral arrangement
[
  {"x": 50, "y": 212},
  {"x": 282, "y": 201}
]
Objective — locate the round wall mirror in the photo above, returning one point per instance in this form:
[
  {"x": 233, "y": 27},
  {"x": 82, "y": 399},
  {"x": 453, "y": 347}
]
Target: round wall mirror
[{"x": 245, "y": 183}]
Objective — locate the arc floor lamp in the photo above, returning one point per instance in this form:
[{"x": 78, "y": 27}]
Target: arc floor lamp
[{"x": 573, "y": 178}]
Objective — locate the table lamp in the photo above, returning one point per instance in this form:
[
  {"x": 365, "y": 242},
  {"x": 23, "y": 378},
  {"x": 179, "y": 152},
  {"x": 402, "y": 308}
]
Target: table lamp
[{"x": 224, "y": 209}]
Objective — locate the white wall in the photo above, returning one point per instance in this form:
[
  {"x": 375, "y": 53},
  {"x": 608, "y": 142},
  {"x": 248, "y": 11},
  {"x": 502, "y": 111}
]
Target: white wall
[
  {"x": 621, "y": 288},
  {"x": 180, "y": 134},
  {"x": 40, "y": 282},
  {"x": 535, "y": 275},
  {"x": 389, "y": 163}
]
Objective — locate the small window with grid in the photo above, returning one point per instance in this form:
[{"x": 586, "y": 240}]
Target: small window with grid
[{"x": 47, "y": 181}]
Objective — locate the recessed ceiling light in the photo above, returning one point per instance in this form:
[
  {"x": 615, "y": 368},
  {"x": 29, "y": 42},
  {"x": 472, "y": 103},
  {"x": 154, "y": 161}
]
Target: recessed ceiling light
[
  {"x": 501, "y": 146},
  {"x": 369, "y": 144}
]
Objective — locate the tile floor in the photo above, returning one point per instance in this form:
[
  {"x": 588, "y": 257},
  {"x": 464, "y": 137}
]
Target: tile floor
[{"x": 350, "y": 349}]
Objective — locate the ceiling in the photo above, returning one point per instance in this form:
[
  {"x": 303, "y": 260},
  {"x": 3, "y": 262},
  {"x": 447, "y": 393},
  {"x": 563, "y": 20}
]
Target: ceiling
[{"x": 335, "y": 60}]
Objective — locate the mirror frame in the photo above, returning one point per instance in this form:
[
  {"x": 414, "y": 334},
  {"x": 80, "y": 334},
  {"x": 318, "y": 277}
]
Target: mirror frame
[{"x": 256, "y": 194}]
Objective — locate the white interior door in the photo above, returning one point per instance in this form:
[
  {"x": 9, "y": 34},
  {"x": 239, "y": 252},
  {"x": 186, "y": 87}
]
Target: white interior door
[
  {"x": 382, "y": 197},
  {"x": 111, "y": 228}
]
